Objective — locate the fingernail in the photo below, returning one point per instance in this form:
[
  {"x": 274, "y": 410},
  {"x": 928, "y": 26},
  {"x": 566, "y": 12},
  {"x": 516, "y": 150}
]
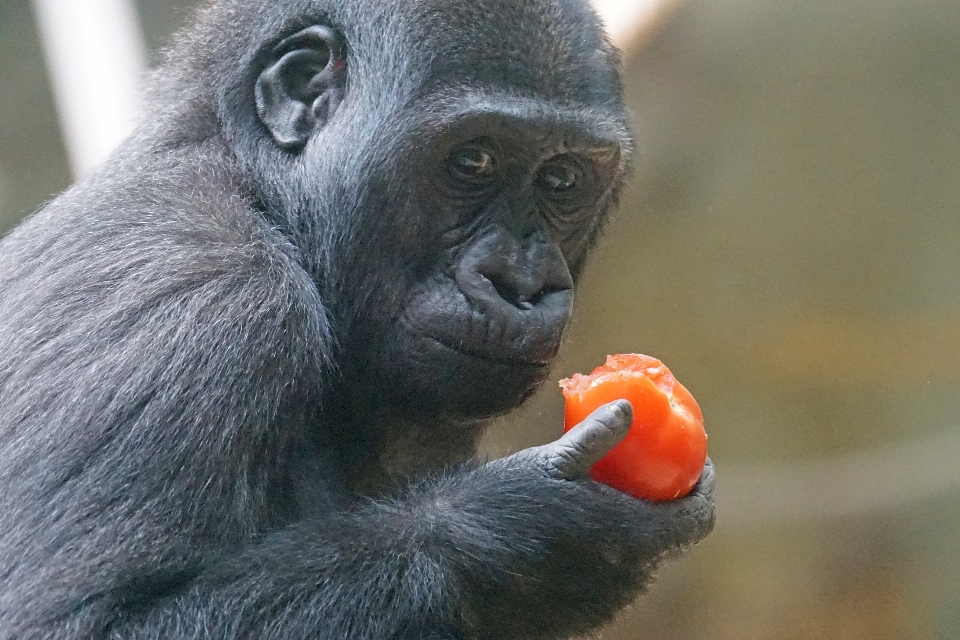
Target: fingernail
[{"x": 623, "y": 408}]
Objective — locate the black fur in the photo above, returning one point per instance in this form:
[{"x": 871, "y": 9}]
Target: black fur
[{"x": 244, "y": 367}]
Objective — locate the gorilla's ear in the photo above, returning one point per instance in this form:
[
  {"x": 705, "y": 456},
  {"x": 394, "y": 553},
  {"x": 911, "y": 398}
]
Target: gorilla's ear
[{"x": 302, "y": 85}]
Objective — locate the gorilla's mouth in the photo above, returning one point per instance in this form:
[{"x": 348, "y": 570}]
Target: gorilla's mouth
[
  {"x": 487, "y": 328},
  {"x": 503, "y": 357}
]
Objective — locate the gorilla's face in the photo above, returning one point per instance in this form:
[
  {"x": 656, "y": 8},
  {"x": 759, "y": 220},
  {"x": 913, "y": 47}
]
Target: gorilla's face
[{"x": 505, "y": 206}]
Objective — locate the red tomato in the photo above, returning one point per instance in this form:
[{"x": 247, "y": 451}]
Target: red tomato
[{"x": 662, "y": 456}]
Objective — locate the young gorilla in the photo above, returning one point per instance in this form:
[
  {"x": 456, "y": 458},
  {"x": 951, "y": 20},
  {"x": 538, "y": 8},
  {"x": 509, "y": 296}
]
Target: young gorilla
[{"x": 244, "y": 367}]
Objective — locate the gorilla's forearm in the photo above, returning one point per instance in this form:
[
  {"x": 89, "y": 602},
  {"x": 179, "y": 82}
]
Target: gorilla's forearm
[{"x": 476, "y": 554}]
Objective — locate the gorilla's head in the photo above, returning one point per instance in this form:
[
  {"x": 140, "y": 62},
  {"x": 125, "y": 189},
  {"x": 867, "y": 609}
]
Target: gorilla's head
[{"x": 444, "y": 198}]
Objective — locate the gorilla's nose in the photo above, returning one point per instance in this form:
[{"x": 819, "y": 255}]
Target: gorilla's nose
[
  {"x": 525, "y": 283},
  {"x": 521, "y": 280}
]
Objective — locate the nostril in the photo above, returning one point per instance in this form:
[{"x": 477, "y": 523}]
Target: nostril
[{"x": 513, "y": 292}]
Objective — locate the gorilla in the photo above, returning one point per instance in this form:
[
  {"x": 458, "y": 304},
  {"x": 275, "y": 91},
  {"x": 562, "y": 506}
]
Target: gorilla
[{"x": 245, "y": 365}]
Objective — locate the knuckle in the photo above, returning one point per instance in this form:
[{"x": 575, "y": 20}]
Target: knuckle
[
  {"x": 563, "y": 459},
  {"x": 700, "y": 519}
]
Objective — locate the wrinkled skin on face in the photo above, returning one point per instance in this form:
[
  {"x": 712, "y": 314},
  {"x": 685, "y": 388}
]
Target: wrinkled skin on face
[{"x": 511, "y": 210}]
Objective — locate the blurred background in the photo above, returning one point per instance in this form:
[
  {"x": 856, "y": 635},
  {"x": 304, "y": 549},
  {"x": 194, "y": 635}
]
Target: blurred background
[{"x": 789, "y": 245}]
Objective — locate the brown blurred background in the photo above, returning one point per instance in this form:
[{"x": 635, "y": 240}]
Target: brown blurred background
[{"x": 790, "y": 246}]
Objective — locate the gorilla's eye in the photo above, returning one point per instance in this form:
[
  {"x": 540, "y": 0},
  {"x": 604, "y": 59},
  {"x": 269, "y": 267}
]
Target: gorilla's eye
[
  {"x": 472, "y": 164},
  {"x": 559, "y": 176}
]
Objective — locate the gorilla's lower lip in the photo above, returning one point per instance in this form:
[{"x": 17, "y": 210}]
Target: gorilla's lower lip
[{"x": 504, "y": 360}]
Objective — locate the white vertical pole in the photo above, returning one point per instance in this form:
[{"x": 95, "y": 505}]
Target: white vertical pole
[
  {"x": 96, "y": 57},
  {"x": 629, "y": 21}
]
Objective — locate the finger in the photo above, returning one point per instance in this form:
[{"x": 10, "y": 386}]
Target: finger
[
  {"x": 691, "y": 518},
  {"x": 584, "y": 445},
  {"x": 706, "y": 485}
]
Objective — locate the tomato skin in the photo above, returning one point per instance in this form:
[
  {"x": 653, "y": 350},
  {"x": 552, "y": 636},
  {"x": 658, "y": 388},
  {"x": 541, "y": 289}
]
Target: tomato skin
[{"x": 662, "y": 456}]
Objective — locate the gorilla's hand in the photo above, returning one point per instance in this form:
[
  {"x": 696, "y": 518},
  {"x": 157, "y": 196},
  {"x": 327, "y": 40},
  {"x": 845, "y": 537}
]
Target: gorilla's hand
[
  {"x": 571, "y": 457},
  {"x": 587, "y": 549}
]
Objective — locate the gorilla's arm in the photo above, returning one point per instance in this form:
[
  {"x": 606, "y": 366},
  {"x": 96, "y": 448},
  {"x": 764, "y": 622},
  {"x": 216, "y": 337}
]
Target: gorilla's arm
[
  {"x": 155, "y": 367},
  {"x": 512, "y": 549}
]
